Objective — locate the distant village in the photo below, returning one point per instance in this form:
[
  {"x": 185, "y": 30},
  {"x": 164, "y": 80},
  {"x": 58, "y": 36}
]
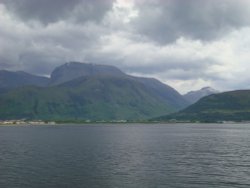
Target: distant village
[
  {"x": 25, "y": 122},
  {"x": 41, "y": 122}
]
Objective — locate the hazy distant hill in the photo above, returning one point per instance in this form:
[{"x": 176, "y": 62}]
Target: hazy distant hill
[
  {"x": 10, "y": 79},
  {"x": 94, "y": 92},
  {"x": 194, "y": 96},
  {"x": 228, "y": 106}
]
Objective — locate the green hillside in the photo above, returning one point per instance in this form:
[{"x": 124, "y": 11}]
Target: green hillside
[
  {"x": 86, "y": 98},
  {"x": 228, "y": 106}
]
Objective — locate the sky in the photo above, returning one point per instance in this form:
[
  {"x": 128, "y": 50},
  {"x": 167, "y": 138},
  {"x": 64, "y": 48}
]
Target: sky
[{"x": 187, "y": 44}]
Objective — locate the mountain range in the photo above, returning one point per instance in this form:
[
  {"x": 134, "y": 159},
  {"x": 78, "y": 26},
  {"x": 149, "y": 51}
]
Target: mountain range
[{"x": 83, "y": 91}]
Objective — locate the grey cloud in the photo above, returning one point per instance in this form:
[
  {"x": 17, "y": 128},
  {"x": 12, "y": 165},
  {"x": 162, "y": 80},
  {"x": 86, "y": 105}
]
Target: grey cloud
[
  {"x": 39, "y": 63},
  {"x": 165, "y": 21},
  {"x": 49, "y": 11},
  {"x": 233, "y": 84},
  {"x": 81, "y": 30},
  {"x": 171, "y": 68},
  {"x": 68, "y": 30},
  {"x": 179, "y": 70},
  {"x": 40, "y": 49},
  {"x": 5, "y": 63}
]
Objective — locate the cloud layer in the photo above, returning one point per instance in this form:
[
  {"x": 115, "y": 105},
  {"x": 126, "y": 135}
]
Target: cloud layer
[{"x": 186, "y": 44}]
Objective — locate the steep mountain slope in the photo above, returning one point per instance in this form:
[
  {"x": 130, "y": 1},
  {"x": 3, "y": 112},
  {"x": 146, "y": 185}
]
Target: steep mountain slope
[
  {"x": 194, "y": 96},
  {"x": 165, "y": 91},
  {"x": 10, "y": 79},
  {"x": 72, "y": 70},
  {"x": 93, "y": 98},
  {"x": 228, "y": 106}
]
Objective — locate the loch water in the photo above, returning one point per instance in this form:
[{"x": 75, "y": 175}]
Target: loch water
[{"x": 125, "y": 155}]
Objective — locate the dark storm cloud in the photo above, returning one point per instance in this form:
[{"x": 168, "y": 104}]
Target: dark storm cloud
[
  {"x": 68, "y": 29},
  {"x": 47, "y": 11},
  {"x": 165, "y": 21}
]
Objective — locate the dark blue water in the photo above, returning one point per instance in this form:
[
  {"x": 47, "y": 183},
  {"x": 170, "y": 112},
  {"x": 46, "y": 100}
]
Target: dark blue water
[{"x": 140, "y": 156}]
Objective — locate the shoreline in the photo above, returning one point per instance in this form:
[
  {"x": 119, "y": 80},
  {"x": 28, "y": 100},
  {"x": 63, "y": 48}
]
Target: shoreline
[{"x": 110, "y": 123}]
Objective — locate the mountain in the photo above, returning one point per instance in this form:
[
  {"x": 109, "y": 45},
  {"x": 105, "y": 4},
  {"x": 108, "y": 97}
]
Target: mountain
[
  {"x": 93, "y": 92},
  {"x": 227, "y": 106},
  {"x": 194, "y": 96},
  {"x": 10, "y": 80},
  {"x": 72, "y": 70}
]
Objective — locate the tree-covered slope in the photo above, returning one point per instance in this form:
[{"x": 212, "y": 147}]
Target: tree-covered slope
[{"x": 228, "y": 106}]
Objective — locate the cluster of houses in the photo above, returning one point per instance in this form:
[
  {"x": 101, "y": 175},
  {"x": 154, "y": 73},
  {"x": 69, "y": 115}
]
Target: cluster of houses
[{"x": 25, "y": 122}]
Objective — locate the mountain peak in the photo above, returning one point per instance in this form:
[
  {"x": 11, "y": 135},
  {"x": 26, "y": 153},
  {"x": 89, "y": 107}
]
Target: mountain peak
[
  {"x": 206, "y": 88},
  {"x": 209, "y": 89},
  {"x": 72, "y": 70},
  {"x": 194, "y": 96}
]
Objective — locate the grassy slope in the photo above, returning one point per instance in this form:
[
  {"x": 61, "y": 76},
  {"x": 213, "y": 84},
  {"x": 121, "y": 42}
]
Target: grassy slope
[
  {"x": 228, "y": 106},
  {"x": 94, "y": 98}
]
